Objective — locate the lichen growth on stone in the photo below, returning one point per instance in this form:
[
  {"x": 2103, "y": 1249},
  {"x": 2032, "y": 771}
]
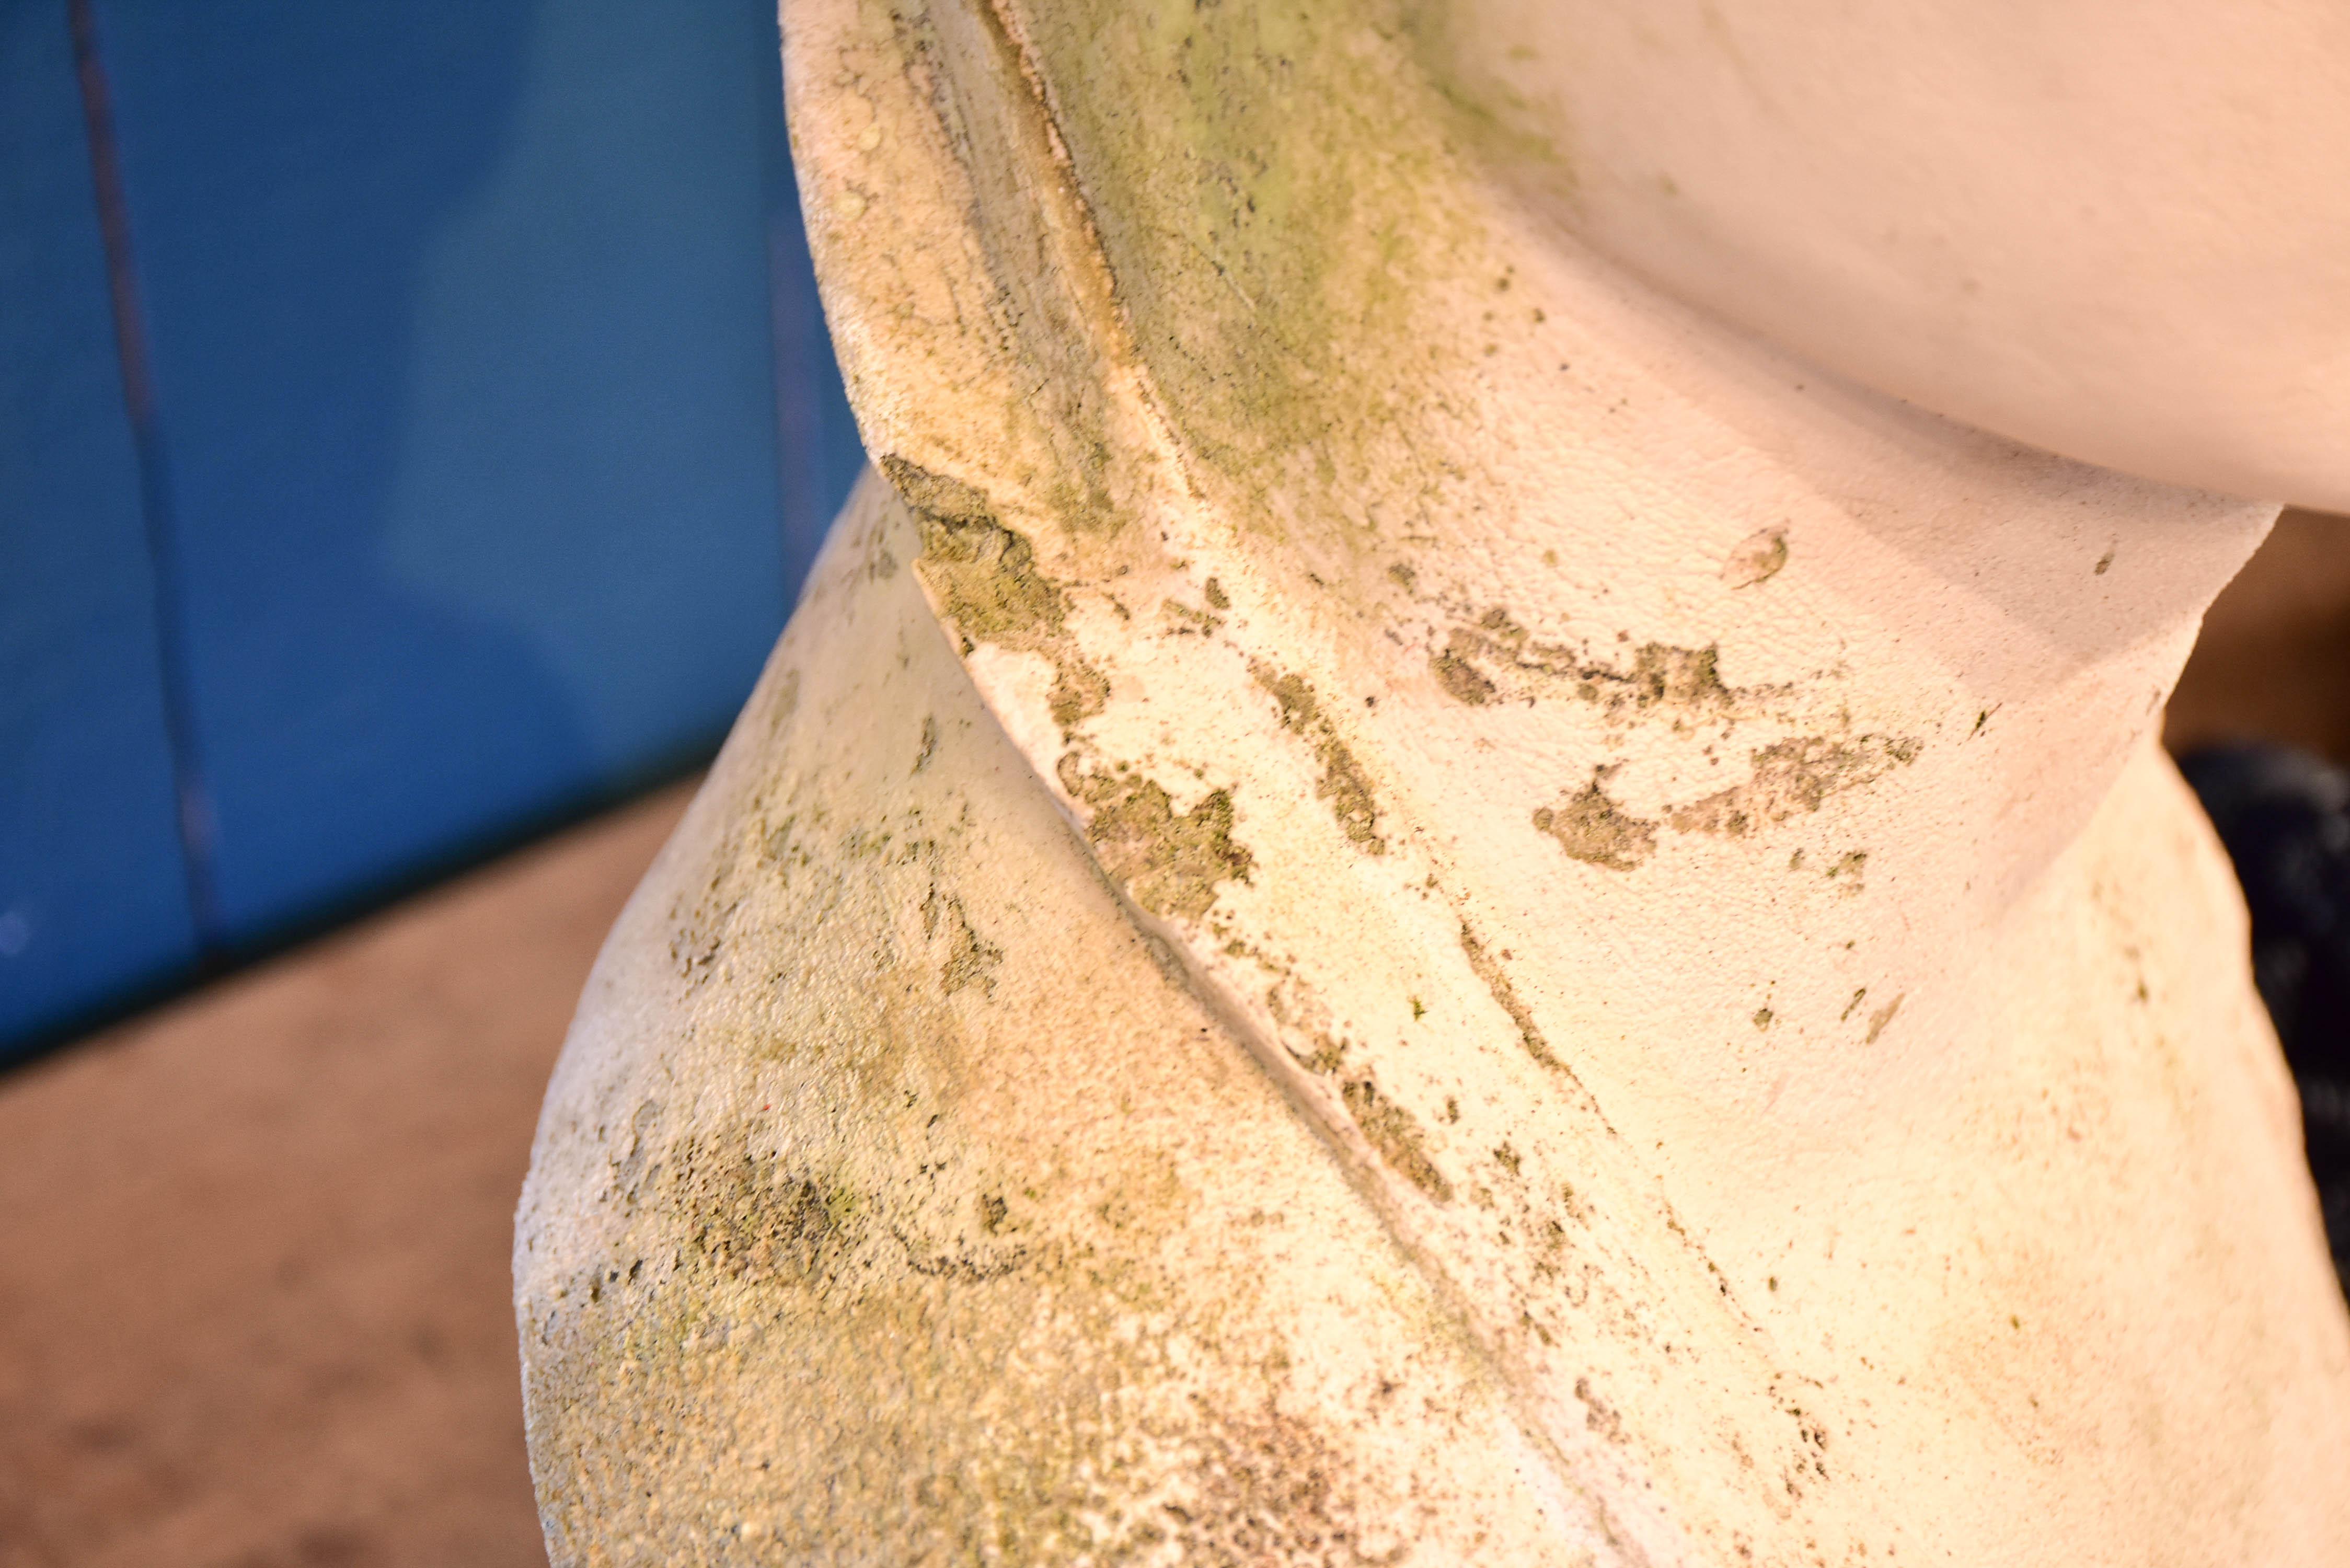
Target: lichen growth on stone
[
  {"x": 1790, "y": 777},
  {"x": 1393, "y": 1135},
  {"x": 969, "y": 961},
  {"x": 1757, "y": 558},
  {"x": 1169, "y": 862},
  {"x": 1846, "y": 872},
  {"x": 986, "y": 578},
  {"x": 1487, "y": 968},
  {"x": 1326, "y": 1056},
  {"x": 985, "y": 572},
  {"x": 1596, "y": 830},
  {"x": 1461, "y": 679},
  {"x": 1674, "y": 676},
  {"x": 1496, "y": 658},
  {"x": 1343, "y": 782}
]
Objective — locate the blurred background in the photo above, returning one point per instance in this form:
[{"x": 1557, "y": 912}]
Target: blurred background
[{"x": 415, "y": 420}]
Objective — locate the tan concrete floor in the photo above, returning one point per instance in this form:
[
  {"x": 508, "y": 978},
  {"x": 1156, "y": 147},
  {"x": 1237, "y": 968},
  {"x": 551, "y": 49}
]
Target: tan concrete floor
[{"x": 253, "y": 1246}]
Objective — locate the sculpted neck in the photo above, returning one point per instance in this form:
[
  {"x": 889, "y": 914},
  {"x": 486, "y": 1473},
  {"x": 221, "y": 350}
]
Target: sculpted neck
[
  {"x": 1443, "y": 566},
  {"x": 1761, "y": 698},
  {"x": 1721, "y": 713}
]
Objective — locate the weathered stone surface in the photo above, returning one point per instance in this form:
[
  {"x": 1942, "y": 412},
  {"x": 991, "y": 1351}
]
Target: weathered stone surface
[
  {"x": 901, "y": 1201},
  {"x": 1395, "y": 987}
]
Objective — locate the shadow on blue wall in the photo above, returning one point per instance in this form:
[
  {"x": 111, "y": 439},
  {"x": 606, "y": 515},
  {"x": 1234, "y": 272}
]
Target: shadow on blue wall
[{"x": 466, "y": 326}]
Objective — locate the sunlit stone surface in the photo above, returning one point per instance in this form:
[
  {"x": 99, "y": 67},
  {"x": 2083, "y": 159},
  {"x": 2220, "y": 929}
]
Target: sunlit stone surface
[{"x": 1396, "y": 900}]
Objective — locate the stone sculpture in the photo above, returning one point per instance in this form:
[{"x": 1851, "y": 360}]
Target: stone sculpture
[{"x": 1421, "y": 882}]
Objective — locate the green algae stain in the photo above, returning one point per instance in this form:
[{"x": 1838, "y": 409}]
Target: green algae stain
[
  {"x": 1498, "y": 112},
  {"x": 758, "y": 1261},
  {"x": 1261, "y": 181}
]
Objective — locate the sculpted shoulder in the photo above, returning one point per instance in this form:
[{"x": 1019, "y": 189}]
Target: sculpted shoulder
[{"x": 896, "y": 1202}]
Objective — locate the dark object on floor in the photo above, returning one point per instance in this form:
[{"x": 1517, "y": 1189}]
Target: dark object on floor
[{"x": 2285, "y": 816}]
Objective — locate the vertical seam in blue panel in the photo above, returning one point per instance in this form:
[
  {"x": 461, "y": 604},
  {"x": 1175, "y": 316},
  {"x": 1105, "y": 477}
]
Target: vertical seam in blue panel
[{"x": 196, "y": 815}]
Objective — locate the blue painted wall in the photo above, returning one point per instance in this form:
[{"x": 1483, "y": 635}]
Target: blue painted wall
[
  {"x": 93, "y": 895},
  {"x": 492, "y": 427}
]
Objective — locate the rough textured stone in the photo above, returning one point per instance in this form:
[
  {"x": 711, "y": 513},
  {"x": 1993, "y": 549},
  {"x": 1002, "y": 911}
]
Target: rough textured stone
[{"x": 1135, "y": 1078}]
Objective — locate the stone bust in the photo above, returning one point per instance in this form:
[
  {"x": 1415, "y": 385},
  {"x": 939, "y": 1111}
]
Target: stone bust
[{"x": 1461, "y": 857}]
